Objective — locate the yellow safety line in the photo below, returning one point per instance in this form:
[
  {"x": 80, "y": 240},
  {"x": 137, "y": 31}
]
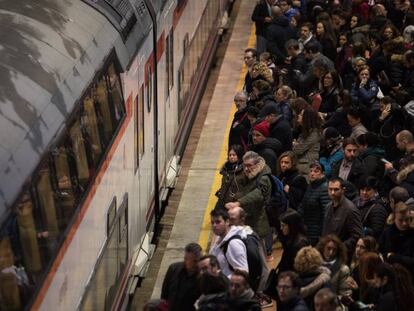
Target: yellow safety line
[{"x": 204, "y": 236}]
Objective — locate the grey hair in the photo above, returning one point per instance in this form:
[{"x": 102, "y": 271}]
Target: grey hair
[
  {"x": 251, "y": 155},
  {"x": 240, "y": 95}
]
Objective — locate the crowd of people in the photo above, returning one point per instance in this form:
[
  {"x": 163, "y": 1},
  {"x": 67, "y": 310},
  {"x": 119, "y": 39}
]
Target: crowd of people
[{"x": 320, "y": 160}]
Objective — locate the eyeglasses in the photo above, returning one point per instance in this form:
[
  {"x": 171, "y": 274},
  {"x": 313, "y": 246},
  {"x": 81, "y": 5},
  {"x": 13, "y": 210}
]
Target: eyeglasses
[{"x": 284, "y": 287}]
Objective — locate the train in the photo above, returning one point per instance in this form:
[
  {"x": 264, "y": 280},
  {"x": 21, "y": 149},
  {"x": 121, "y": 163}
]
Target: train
[{"x": 97, "y": 102}]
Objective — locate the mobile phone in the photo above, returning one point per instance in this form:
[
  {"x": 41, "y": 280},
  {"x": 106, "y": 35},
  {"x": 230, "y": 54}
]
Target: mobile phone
[{"x": 385, "y": 161}]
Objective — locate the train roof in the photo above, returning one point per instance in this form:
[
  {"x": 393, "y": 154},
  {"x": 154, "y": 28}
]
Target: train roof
[{"x": 50, "y": 51}]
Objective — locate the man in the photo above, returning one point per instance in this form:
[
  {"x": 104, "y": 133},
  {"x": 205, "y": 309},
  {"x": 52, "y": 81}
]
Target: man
[
  {"x": 250, "y": 57},
  {"x": 254, "y": 192},
  {"x": 237, "y": 216},
  {"x": 268, "y": 148},
  {"x": 288, "y": 11},
  {"x": 240, "y": 126},
  {"x": 241, "y": 295},
  {"x": 235, "y": 256},
  {"x": 403, "y": 139},
  {"x": 314, "y": 202},
  {"x": 280, "y": 128},
  {"x": 306, "y": 36},
  {"x": 326, "y": 300},
  {"x": 342, "y": 217},
  {"x": 354, "y": 120},
  {"x": 288, "y": 289},
  {"x": 282, "y": 97},
  {"x": 396, "y": 243},
  {"x": 262, "y": 16},
  {"x": 278, "y": 33},
  {"x": 209, "y": 264},
  {"x": 180, "y": 285},
  {"x": 350, "y": 168},
  {"x": 295, "y": 61}
]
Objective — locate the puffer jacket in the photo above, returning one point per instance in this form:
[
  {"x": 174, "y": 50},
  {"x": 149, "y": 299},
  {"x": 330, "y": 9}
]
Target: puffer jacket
[
  {"x": 339, "y": 274},
  {"x": 297, "y": 187},
  {"x": 307, "y": 150},
  {"x": 365, "y": 96},
  {"x": 252, "y": 196},
  {"x": 269, "y": 150},
  {"x": 312, "y": 281},
  {"x": 313, "y": 208},
  {"x": 232, "y": 175}
]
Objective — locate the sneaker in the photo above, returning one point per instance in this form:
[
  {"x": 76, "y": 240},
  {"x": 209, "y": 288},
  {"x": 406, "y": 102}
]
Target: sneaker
[
  {"x": 269, "y": 258},
  {"x": 265, "y": 302}
]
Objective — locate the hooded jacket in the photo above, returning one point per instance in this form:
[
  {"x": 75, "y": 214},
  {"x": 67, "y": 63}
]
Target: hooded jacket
[
  {"x": 232, "y": 174},
  {"x": 278, "y": 32},
  {"x": 371, "y": 159},
  {"x": 269, "y": 149},
  {"x": 373, "y": 216},
  {"x": 236, "y": 254}
]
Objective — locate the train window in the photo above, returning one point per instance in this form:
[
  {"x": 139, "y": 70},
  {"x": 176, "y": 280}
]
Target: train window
[
  {"x": 79, "y": 152},
  {"x": 90, "y": 130},
  {"x": 63, "y": 187},
  {"x": 116, "y": 94},
  {"x": 167, "y": 65},
  {"x": 149, "y": 87},
  {"x": 111, "y": 265},
  {"x": 141, "y": 125},
  {"x": 169, "y": 55},
  {"x": 103, "y": 112},
  {"x": 136, "y": 132}
]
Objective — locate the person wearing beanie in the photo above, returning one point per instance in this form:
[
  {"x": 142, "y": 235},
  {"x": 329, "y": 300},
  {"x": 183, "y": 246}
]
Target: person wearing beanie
[{"x": 267, "y": 147}]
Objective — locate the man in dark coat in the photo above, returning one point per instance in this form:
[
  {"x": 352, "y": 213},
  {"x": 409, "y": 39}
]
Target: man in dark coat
[
  {"x": 288, "y": 288},
  {"x": 342, "y": 217},
  {"x": 314, "y": 202},
  {"x": 350, "y": 168},
  {"x": 267, "y": 147},
  {"x": 278, "y": 33},
  {"x": 240, "y": 126},
  {"x": 280, "y": 128},
  {"x": 180, "y": 285},
  {"x": 262, "y": 16}
]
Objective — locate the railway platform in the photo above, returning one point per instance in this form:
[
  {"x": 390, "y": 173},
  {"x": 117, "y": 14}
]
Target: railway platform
[{"x": 186, "y": 217}]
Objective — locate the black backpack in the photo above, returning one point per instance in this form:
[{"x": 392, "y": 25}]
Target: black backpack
[
  {"x": 278, "y": 202},
  {"x": 254, "y": 258}
]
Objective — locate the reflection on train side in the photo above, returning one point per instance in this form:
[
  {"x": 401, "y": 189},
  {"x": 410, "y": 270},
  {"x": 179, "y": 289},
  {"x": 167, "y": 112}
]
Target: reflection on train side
[{"x": 30, "y": 237}]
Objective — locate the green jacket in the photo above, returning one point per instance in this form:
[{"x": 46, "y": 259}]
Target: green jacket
[{"x": 253, "y": 194}]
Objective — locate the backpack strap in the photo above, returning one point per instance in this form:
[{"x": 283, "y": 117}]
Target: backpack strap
[{"x": 225, "y": 246}]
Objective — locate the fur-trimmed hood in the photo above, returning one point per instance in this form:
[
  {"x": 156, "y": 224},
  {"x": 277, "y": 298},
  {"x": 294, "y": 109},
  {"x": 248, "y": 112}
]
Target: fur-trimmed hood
[
  {"x": 258, "y": 168},
  {"x": 405, "y": 174}
]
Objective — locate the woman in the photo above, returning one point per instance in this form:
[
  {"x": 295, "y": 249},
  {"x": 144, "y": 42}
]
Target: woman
[
  {"x": 367, "y": 264},
  {"x": 385, "y": 281},
  {"x": 307, "y": 146},
  {"x": 232, "y": 174},
  {"x": 294, "y": 184},
  {"x": 372, "y": 210},
  {"x": 358, "y": 29},
  {"x": 364, "y": 91},
  {"x": 389, "y": 32},
  {"x": 334, "y": 254},
  {"x": 292, "y": 237},
  {"x": 326, "y": 37},
  {"x": 330, "y": 87},
  {"x": 314, "y": 276}
]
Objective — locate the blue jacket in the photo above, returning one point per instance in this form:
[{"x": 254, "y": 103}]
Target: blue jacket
[{"x": 328, "y": 161}]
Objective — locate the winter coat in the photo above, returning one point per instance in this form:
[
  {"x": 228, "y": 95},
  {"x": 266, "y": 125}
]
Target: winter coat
[
  {"x": 307, "y": 150},
  {"x": 236, "y": 255},
  {"x": 259, "y": 13},
  {"x": 371, "y": 159},
  {"x": 373, "y": 216},
  {"x": 296, "y": 304},
  {"x": 335, "y": 155},
  {"x": 313, "y": 281},
  {"x": 282, "y": 131},
  {"x": 345, "y": 222},
  {"x": 232, "y": 176},
  {"x": 269, "y": 149},
  {"x": 339, "y": 274},
  {"x": 396, "y": 69},
  {"x": 366, "y": 96},
  {"x": 290, "y": 250},
  {"x": 401, "y": 244},
  {"x": 283, "y": 109},
  {"x": 328, "y": 48},
  {"x": 388, "y": 130},
  {"x": 387, "y": 301},
  {"x": 405, "y": 179},
  {"x": 297, "y": 187},
  {"x": 278, "y": 32},
  {"x": 313, "y": 208},
  {"x": 356, "y": 174},
  {"x": 329, "y": 100},
  {"x": 239, "y": 129},
  {"x": 252, "y": 196},
  {"x": 377, "y": 63},
  {"x": 339, "y": 120},
  {"x": 180, "y": 288}
]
